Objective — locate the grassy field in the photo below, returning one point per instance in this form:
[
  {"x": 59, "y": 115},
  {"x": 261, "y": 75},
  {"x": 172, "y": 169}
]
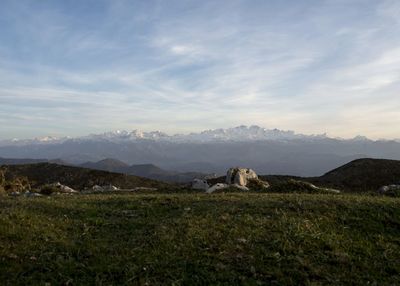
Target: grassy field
[{"x": 197, "y": 239}]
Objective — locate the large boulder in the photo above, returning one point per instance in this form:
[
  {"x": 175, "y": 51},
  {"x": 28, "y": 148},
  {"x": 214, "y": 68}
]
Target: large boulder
[{"x": 240, "y": 176}]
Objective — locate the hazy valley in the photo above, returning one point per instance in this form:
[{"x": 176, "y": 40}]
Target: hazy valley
[{"x": 214, "y": 151}]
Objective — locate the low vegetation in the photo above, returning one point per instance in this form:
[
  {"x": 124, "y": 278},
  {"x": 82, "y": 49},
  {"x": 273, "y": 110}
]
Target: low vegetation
[
  {"x": 199, "y": 239},
  {"x": 75, "y": 177},
  {"x": 296, "y": 186},
  {"x": 48, "y": 190}
]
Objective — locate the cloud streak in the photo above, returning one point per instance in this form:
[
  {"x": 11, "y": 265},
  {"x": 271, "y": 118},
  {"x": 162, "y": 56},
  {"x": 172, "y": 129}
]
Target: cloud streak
[{"x": 312, "y": 66}]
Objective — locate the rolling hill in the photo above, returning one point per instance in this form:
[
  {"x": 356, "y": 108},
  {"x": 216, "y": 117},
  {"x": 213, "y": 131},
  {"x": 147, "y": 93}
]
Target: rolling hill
[
  {"x": 76, "y": 177},
  {"x": 150, "y": 171},
  {"x": 362, "y": 175},
  {"x": 111, "y": 165},
  {"x": 23, "y": 161}
]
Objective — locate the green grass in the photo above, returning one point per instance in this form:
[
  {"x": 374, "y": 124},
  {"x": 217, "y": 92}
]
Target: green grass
[{"x": 198, "y": 239}]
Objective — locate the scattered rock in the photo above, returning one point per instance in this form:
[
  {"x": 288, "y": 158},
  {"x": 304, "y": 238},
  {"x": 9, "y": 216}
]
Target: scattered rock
[
  {"x": 322, "y": 188},
  {"x": 297, "y": 186},
  {"x": 29, "y": 194},
  {"x": 109, "y": 188},
  {"x": 390, "y": 190}
]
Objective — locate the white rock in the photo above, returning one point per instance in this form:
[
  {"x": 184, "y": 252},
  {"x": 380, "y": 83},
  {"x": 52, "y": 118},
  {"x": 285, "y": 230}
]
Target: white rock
[
  {"x": 97, "y": 188},
  {"x": 64, "y": 189},
  {"x": 112, "y": 188},
  {"x": 108, "y": 188},
  {"x": 389, "y": 188},
  {"x": 199, "y": 184},
  {"x": 216, "y": 187},
  {"x": 240, "y": 176}
]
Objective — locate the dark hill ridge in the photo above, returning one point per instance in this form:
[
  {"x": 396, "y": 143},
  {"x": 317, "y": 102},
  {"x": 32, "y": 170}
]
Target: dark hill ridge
[
  {"x": 149, "y": 171},
  {"x": 76, "y": 177},
  {"x": 143, "y": 170},
  {"x": 362, "y": 174},
  {"x": 111, "y": 165},
  {"x": 146, "y": 170},
  {"x": 23, "y": 161}
]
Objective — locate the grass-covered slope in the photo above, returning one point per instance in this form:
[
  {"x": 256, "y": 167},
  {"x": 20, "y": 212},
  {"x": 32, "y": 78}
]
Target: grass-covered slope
[
  {"x": 197, "y": 239},
  {"x": 362, "y": 175},
  {"x": 75, "y": 177}
]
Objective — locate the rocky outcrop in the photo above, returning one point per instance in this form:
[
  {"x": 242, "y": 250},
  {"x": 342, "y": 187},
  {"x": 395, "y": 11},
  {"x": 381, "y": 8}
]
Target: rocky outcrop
[{"x": 240, "y": 176}]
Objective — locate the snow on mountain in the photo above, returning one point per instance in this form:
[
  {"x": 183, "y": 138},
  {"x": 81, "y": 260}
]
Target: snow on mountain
[
  {"x": 38, "y": 140},
  {"x": 122, "y": 135},
  {"x": 243, "y": 133},
  {"x": 238, "y": 134}
]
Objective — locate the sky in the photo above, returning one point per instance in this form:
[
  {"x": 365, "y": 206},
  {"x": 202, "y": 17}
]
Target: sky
[{"x": 71, "y": 68}]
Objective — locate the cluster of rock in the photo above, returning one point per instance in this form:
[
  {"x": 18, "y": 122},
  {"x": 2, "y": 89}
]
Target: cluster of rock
[
  {"x": 58, "y": 189},
  {"x": 111, "y": 188},
  {"x": 389, "y": 190},
  {"x": 239, "y": 178},
  {"x": 63, "y": 189},
  {"x": 107, "y": 188},
  {"x": 25, "y": 194}
]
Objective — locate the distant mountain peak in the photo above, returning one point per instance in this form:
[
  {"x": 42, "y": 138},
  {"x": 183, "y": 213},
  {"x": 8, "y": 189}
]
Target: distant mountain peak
[{"x": 241, "y": 133}]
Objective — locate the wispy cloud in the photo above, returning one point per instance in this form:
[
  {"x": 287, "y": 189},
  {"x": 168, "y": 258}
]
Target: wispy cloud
[{"x": 312, "y": 66}]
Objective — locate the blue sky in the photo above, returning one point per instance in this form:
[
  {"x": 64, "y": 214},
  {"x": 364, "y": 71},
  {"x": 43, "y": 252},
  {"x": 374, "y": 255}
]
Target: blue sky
[{"x": 78, "y": 67}]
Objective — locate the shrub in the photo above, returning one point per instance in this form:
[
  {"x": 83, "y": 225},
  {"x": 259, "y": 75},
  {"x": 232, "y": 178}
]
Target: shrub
[
  {"x": 48, "y": 190},
  {"x": 2, "y": 178},
  {"x": 2, "y": 181},
  {"x": 257, "y": 185},
  {"x": 19, "y": 184}
]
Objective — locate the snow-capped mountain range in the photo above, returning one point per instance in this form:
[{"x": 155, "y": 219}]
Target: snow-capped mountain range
[
  {"x": 268, "y": 151},
  {"x": 237, "y": 134}
]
